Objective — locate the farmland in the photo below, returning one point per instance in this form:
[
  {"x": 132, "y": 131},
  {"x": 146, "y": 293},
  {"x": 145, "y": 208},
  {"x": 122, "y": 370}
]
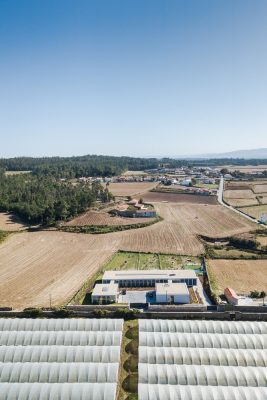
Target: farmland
[
  {"x": 130, "y": 189},
  {"x": 179, "y": 198},
  {"x": 37, "y": 266},
  {"x": 241, "y": 275},
  {"x": 9, "y": 222},
  {"x": 246, "y": 193},
  {"x": 247, "y": 168},
  {"x": 104, "y": 218},
  {"x": 255, "y": 211}
]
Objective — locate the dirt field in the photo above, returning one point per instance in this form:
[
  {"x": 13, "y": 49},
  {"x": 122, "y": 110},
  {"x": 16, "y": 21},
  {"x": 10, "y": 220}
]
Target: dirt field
[
  {"x": 34, "y": 266},
  {"x": 104, "y": 218},
  {"x": 179, "y": 198},
  {"x": 241, "y": 202},
  {"x": 241, "y": 275},
  {"x": 239, "y": 194},
  {"x": 131, "y": 189},
  {"x": 260, "y": 188},
  {"x": 9, "y": 222},
  {"x": 262, "y": 240},
  {"x": 255, "y": 211},
  {"x": 247, "y": 168}
]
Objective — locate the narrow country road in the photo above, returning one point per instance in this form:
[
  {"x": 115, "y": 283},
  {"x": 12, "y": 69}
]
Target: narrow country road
[{"x": 220, "y": 200}]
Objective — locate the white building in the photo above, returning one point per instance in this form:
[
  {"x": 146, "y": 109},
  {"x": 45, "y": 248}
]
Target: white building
[
  {"x": 149, "y": 278},
  {"x": 172, "y": 293},
  {"x": 105, "y": 293}
]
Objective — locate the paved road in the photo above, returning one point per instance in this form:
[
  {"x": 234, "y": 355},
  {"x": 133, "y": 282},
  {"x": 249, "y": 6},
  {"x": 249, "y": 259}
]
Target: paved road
[{"x": 220, "y": 200}]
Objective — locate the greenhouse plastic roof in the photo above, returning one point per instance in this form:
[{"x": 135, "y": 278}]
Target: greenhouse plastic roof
[
  {"x": 59, "y": 391},
  {"x": 199, "y": 356},
  {"x": 202, "y": 360},
  {"x": 75, "y": 324},
  {"x": 62, "y": 359},
  {"x": 96, "y": 354},
  {"x": 171, "y": 392},
  {"x": 203, "y": 340},
  {"x": 184, "y": 326}
]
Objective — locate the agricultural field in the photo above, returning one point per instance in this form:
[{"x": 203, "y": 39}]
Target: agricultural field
[
  {"x": 102, "y": 218},
  {"x": 243, "y": 276},
  {"x": 245, "y": 193},
  {"x": 247, "y": 168},
  {"x": 255, "y": 211},
  {"x": 178, "y": 198},
  {"x": 9, "y": 222},
  {"x": 11, "y": 173},
  {"x": 130, "y": 189},
  {"x": 37, "y": 266}
]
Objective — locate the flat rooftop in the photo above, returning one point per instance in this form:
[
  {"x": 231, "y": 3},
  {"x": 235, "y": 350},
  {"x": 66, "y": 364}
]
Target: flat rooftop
[
  {"x": 105, "y": 289},
  {"x": 172, "y": 289},
  {"x": 150, "y": 274}
]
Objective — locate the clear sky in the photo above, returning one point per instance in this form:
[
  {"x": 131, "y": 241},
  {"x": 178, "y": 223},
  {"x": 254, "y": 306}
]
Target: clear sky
[{"x": 132, "y": 77}]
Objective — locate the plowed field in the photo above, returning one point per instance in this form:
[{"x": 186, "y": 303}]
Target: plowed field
[
  {"x": 130, "y": 189},
  {"x": 40, "y": 265},
  {"x": 104, "y": 218},
  {"x": 241, "y": 275}
]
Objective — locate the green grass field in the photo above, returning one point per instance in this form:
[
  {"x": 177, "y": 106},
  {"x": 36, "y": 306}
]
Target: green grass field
[{"x": 128, "y": 260}]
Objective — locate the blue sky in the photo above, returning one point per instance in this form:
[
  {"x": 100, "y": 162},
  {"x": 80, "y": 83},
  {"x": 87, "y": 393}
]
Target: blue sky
[{"x": 132, "y": 77}]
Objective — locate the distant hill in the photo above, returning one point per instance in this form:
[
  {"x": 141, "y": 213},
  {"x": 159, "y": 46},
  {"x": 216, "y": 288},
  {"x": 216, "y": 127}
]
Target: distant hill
[{"x": 245, "y": 154}]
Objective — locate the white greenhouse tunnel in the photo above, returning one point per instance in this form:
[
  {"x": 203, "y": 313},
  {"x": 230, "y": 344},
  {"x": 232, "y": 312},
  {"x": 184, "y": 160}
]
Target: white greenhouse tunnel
[
  {"x": 202, "y": 360},
  {"x": 199, "y": 356},
  {"x": 60, "y": 354},
  {"x": 59, "y": 359},
  {"x": 67, "y": 324},
  {"x": 203, "y": 340},
  {"x": 58, "y": 391},
  {"x": 199, "y": 326},
  {"x": 171, "y": 392}
]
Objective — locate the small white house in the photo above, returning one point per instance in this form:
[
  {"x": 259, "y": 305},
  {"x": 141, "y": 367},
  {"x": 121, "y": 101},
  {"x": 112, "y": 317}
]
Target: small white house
[
  {"x": 186, "y": 182},
  {"x": 172, "y": 293},
  {"x": 105, "y": 293}
]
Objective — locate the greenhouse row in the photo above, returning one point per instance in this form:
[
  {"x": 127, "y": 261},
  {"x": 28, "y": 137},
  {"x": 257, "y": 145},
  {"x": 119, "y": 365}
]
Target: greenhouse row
[
  {"x": 187, "y": 326},
  {"x": 199, "y": 356},
  {"x": 202, "y": 360},
  {"x": 67, "y": 324},
  {"x": 59, "y": 391},
  {"x": 60, "y": 338},
  {"x": 48, "y": 359},
  {"x": 202, "y": 340},
  {"x": 204, "y": 375},
  {"x": 159, "y": 392},
  {"x": 60, "y": 354}
]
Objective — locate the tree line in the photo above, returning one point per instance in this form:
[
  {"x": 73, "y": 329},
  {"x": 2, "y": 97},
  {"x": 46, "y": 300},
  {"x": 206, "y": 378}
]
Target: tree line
[{"x": 45, "y": 200}]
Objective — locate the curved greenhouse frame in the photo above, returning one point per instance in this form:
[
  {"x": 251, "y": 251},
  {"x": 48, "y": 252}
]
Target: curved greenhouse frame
[
  {"x": 62, "y": 338},
  {"x": 58, "y": 372},
  {"x": 185, "y": 326},
  {"x": 200, "y": 356},
  {"x": 63, "y": 354},
  {"x": 75, "y": 324},
  {"x": 204, "y": 375},
  {"x": 66, "y": 391},
  {"x": 202, "y": 340},
  {"x": 160, "y": 392}
]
